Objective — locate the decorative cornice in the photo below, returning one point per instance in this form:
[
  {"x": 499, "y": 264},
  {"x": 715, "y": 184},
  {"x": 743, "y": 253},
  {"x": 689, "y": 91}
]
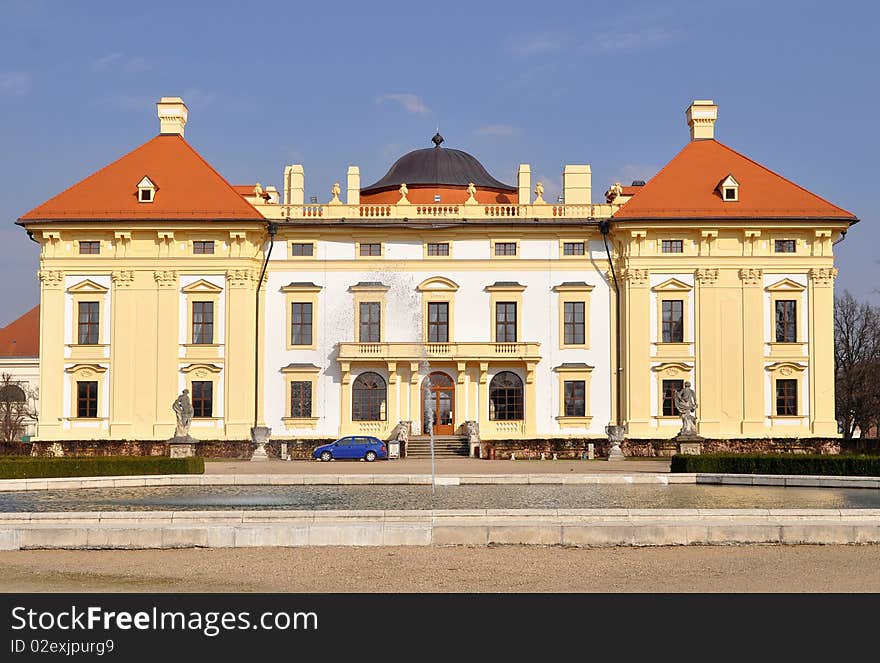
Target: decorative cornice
[
  {"x": 122, "y": 278},
  {"x": 751, "y": 276},
  {"x": 707, "y": 276},
  {"x": 166, "y": 278},
  {"x": 51, "y": 278},
  {"x": 241, "y": 278},
  {"x": 636, "y": 277},
  {"x": 823, "y": 277}
]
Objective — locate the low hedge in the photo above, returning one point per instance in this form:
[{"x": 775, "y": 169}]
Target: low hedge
[
  {"x": 830, "y": 465},
  {"x": 36, "y": 467}
]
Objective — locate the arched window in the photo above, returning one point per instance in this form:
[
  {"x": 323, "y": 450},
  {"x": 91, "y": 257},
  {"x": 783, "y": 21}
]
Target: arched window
[
  {"x": 506, "y": 397},
  {"x": 368, "y": 396},
  {"x": 12, "y": 393}
]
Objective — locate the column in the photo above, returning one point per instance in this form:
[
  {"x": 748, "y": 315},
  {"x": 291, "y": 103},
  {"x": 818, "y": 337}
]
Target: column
[
  {"x": 821, "y": 312},
  {"x": 52, "y": 375},
  {"x": 167, "y": 344},
  {"x": 636, "y": 338},
  {"x": 753, "y": 352},
  {"x": 708, "y": 351},
  {"x": 124, "y": 379},
  {"x": 239, "y": 355}
]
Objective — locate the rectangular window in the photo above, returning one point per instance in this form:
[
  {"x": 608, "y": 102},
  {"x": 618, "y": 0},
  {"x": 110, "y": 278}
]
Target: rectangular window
[
  {"x": 300, "y": 399},
  {"x": 673, "y": 321},
  {"x": 203, "y": 399},
  {"x": 784, "y": 246},
  {"x": 786, "y": 321},
  {"x": 574, "y": 323},
  {"x": 440, "y": 249},
  {"x": 670, "y": 388},
  {"x": 203, "y": 247},
  {"x": 575, "y": 398},
  {"x": 505, "y": 322},
  {"x": 505, "y": 248},
  {"x": 301, "y": 323},
  {"x": 371, "y": 249},
  {"x": 438, "y": 322},
  {"x": 672, "y": 246},
  {"x": 786, "y": 398},
  {"x": 87, "y": 323},
  {"x": 90, "y": 248},
  {"x": 298, "y": 249},
  {"x": 87, "y": 400},
  {"x": 573, "y": 248},
  {"x": 370, "y": 322},
  {"x": 203, "y": 323}
]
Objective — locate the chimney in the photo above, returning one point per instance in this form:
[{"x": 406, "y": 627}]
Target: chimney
[
  {"x": 524, "y": 184},
  {"x": 353, "y": 192},
  {"x": 701, "y": 116},
  {"x": 172, "y": 115},
  {"x": 577, "y": 184}
]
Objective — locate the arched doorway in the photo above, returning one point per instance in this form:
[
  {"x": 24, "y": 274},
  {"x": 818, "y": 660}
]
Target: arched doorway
[{"x": 440, "y": 398}]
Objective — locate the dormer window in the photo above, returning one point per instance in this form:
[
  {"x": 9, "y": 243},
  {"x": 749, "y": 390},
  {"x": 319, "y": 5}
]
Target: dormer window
[
  {"x": 729, "y": 189},
  {"x": 146, "y": 190}
]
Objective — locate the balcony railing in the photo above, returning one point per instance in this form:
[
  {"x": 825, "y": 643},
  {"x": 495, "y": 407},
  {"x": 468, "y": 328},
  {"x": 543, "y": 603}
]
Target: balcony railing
[
  {"x": 473, "y": 351},
  {"x": 331, "y": 212}
]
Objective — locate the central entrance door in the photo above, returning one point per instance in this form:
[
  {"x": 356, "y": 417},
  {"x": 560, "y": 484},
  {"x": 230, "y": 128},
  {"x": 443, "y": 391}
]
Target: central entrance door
[{"x": 441, "y": 400}]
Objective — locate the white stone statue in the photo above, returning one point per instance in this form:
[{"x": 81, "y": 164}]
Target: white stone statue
[
  {"x": 184, "y": 410},
  {"x": 686, "y": 404},
  {"x": 472, "y": 190},
  {"x": 403, "y": 190},
  {"x": 539, "y": 194},
  {"x": 335, "y": 190},
  {"x": 613, "y": 192},
  {"x": 258, "y": 190}
]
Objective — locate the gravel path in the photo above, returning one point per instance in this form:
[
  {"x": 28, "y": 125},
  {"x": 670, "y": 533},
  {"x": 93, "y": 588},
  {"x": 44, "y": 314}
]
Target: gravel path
[{"x": 754, "y": 568}]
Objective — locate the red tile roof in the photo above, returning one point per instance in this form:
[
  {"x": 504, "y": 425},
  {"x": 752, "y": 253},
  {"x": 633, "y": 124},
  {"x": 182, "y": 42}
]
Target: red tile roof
[
  {"x": 21, "y": 338},
  {"x": 687, "y": 187},
  {"x": 187, "y": 187}
]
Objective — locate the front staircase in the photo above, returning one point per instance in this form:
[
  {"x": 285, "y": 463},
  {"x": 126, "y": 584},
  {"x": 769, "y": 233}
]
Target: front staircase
[{"x": 445, "y": 446}]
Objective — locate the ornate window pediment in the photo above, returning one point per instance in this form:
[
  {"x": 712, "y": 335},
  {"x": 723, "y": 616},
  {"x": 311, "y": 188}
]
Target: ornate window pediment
[
  {"x": 440, "y": 283},
  {"x": 786, "y": 285},
  {"x": 202, "y": 286},
  {"x": 87, "y": 286},
  {"x": 672, "y": 285}
]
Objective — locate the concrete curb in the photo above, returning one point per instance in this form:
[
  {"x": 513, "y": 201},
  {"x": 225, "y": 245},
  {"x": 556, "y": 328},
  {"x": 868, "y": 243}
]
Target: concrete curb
[
  {"x": 569, "y": 527},
  {"x": 443, "y": 480}
]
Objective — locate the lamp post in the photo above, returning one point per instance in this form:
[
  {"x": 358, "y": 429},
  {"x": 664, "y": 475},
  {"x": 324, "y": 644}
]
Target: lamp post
[{"x": 429, "y": 416}]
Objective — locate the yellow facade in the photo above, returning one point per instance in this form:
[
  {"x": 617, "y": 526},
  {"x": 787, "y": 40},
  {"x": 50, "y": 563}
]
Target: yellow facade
[{"x": 727, "y": 279}]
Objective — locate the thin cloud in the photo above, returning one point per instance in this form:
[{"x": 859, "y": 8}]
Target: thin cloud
[
  {"x": 621, "y": 42},
  {"x": 497, "y": 130},
  {"x": 632, "y": 171},
  {"x": 411, "y": 103},
  {"x": 543, "y": 42},
  {"x": 120, "y": 62},
  {"x": 14, "y": 84}
]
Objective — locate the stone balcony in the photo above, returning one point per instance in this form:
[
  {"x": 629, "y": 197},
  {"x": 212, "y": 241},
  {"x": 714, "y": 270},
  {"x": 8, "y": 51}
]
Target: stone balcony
[
  {"x": 454, "y": 351},
  {"x": 318, "y": 213}
]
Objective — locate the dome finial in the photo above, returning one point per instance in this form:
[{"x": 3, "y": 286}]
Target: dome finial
[{"x": 437, "y": 139}]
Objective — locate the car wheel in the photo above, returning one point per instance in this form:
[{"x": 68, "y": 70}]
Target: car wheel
[
  {"x": 370, "y": 456},
  {"x": 326, "y": 455}
]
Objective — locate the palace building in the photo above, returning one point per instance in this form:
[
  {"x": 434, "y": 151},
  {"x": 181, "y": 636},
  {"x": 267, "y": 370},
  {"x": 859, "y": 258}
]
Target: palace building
[{"x": 436, "y": 288}]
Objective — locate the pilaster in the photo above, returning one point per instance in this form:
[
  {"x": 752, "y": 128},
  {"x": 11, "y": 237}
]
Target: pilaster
[
  {"x": 637, "y": 351},
  {"x": 708, "y": 350},
  {"x": 52, "y": 325},
  {"x": 821, "y": 303},
  {"x": 165, "y": 391},
  {"x": 239, "y": 354},
  {"x": 124, "y": 379},
  {"x": 753, "y": 351}
]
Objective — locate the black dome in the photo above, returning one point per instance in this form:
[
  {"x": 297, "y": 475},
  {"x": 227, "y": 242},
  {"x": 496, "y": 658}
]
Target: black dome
[{"x": 437, "y": 165}]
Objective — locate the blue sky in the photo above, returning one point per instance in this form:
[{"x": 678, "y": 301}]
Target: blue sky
[{"x": 335, "y": 84}]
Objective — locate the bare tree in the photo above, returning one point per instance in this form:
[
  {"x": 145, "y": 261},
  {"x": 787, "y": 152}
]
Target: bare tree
[
  {"x": 857, "y": 364},
  {"x": 17, "y": 408}
]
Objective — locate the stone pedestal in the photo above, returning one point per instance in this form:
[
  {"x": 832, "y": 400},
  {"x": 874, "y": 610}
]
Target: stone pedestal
[
  {"x": 616, "y": 435},
  {"x": 182, "y": 446},
  {"x": 689, "y": 444},
  {"x": 260, "y": 436}
]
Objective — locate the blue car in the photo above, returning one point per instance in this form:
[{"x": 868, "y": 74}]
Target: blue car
[{"x": 353, "y": 446}]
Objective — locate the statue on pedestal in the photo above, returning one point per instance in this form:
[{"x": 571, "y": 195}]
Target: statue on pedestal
[
  {"x": 686, "y": 404},
  {"x": 184, "y": 410}
]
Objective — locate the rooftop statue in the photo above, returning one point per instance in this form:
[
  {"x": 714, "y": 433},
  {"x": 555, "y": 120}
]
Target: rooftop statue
[{"x": 613, "y": 192}]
